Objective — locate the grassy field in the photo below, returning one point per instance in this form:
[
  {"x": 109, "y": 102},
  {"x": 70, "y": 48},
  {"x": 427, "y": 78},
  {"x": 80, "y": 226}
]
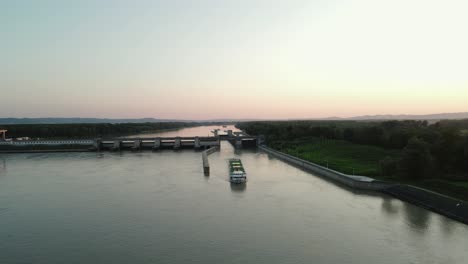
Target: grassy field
[
  {"x": 362, "y": 160},
  {"x": 339, "y": 155}
]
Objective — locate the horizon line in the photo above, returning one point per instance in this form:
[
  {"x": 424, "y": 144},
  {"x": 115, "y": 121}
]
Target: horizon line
[{"x": 245, "y": 118}]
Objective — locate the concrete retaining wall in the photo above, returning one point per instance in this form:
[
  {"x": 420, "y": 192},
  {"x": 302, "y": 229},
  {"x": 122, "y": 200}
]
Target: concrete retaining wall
[
  {"x": 359, "y": 182},
  {"x": 211, "y": 150},
  {"x": 353, "y": 181},
  {"x": 206, "y": 164},
  {"x": 436, "y": 202},
  {"x": 444, "y": 205}
]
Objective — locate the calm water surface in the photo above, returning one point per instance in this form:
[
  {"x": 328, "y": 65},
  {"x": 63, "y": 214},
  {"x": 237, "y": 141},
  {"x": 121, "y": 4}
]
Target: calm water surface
[
  {"x": 202, "y": 131},
  {"x": 159, "y": 208}
]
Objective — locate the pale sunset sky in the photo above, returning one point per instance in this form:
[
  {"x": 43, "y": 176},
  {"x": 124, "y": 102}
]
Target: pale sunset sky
[{"x": 232, "y": 59}]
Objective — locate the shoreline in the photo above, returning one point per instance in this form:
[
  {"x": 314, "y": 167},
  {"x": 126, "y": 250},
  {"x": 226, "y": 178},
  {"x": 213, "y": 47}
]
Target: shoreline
[{"x": 444, "y": 205}]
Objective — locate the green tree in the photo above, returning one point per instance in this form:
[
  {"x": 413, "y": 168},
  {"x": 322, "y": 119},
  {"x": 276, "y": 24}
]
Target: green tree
[
  {"x": 388, "y": 166},
  {"x": 416, "y": 161},
  {"x": 465, "y": 156}
]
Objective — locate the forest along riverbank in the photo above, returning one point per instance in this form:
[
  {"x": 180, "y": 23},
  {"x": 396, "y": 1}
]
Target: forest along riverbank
[{"x": 428, "y": 155}]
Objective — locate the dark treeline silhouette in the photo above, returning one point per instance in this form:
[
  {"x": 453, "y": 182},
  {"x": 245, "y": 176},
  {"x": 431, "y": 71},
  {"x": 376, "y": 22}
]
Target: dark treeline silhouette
[
  {"x": 437, "y": 150},
  {"x": 90, "y": 130}
]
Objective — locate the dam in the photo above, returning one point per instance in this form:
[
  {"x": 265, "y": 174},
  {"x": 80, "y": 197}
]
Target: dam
[
  {"x": 156, "y": 143},
  {"x": 133, "y": 144}
]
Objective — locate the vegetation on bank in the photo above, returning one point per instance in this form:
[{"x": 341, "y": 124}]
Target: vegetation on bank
[
  {"x": 74, "y": 131},
  {"x": 433, "y": 156},
  {"x": 339, "y": 155}
]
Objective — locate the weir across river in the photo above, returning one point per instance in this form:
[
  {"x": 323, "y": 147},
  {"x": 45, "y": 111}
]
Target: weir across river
[
  {"x": 172, "y": 143},
  {"x": 156, "y": 143},
  {"x": 134, "y": 144}
]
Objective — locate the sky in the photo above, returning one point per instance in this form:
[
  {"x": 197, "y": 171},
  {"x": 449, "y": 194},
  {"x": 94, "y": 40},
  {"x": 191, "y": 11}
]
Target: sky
[{"x": 209, "y": 59}]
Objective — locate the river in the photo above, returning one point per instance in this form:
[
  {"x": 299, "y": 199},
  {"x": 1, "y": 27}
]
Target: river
[{"x": 158, "y": 207}]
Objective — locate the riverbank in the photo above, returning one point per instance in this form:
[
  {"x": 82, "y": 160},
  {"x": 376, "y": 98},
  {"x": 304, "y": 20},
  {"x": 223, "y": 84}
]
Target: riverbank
[
  {"x": 431, "y": 156},
  {"x": 433, "y": 201},
  {"x": 355, "y": 159},
  {"x": 439, "y": 203},
  {"x": 353, "y": 181},
  {"x": 339, "y": 155}
]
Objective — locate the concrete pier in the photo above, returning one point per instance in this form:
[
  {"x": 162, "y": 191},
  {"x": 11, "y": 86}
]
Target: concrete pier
[
  {"x": 206, "y": 164},
  {"x": 177, "y": 143},
  {"x": 238, "y": 143},
  {"x": 116, "y": 146},
  {"x": 157, "y": 144},
  {"x": 243, "y": 141},
  {"x": 136, "y": 145},
  {"x": 97, "y": 145},
  {"x": 197, "y": 143}
]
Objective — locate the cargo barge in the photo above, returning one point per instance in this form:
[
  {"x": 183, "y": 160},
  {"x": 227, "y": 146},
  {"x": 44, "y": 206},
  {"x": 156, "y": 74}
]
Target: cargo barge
[{"x": 237, "y": 172}]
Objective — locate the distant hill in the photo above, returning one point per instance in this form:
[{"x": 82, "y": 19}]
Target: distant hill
[
  {"x": 78, "y": 120},
  {"x": 462, "y": 115}
]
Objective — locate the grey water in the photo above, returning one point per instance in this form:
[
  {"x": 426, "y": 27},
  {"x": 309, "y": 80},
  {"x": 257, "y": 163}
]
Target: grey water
[{"x": 159, "y": 207}]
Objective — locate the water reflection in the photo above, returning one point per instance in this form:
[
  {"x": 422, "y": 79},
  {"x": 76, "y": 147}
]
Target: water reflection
[
  {"x": 238, "y": 151},
  {"x": 447, "y": 225},
  {"x": 202, "y": 131},
  {"x": 388, "y": 207},
  {"x": 3, "y": 169},
  {"x": 417, "y": 217},
  {"x": 238, "y": 188}
]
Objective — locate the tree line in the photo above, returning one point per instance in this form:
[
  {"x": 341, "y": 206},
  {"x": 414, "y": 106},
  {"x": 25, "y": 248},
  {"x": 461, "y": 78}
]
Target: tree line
[
  {"x": 75, "y": 131},
  {"x": 427, "y": 150}
]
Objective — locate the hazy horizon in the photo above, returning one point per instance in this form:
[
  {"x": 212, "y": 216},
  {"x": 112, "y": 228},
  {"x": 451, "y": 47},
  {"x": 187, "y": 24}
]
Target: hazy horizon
[
  {"x": 232, "y": 59},
  {"x": 457, "y": 115}
]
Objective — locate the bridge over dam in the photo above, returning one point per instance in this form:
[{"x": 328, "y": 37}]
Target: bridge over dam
[
  {"x": 156, "y": 143},
  {"x": 117, "y": 144}
]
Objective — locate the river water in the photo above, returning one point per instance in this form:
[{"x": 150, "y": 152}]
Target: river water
[{"x": 159, "y": 208}]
